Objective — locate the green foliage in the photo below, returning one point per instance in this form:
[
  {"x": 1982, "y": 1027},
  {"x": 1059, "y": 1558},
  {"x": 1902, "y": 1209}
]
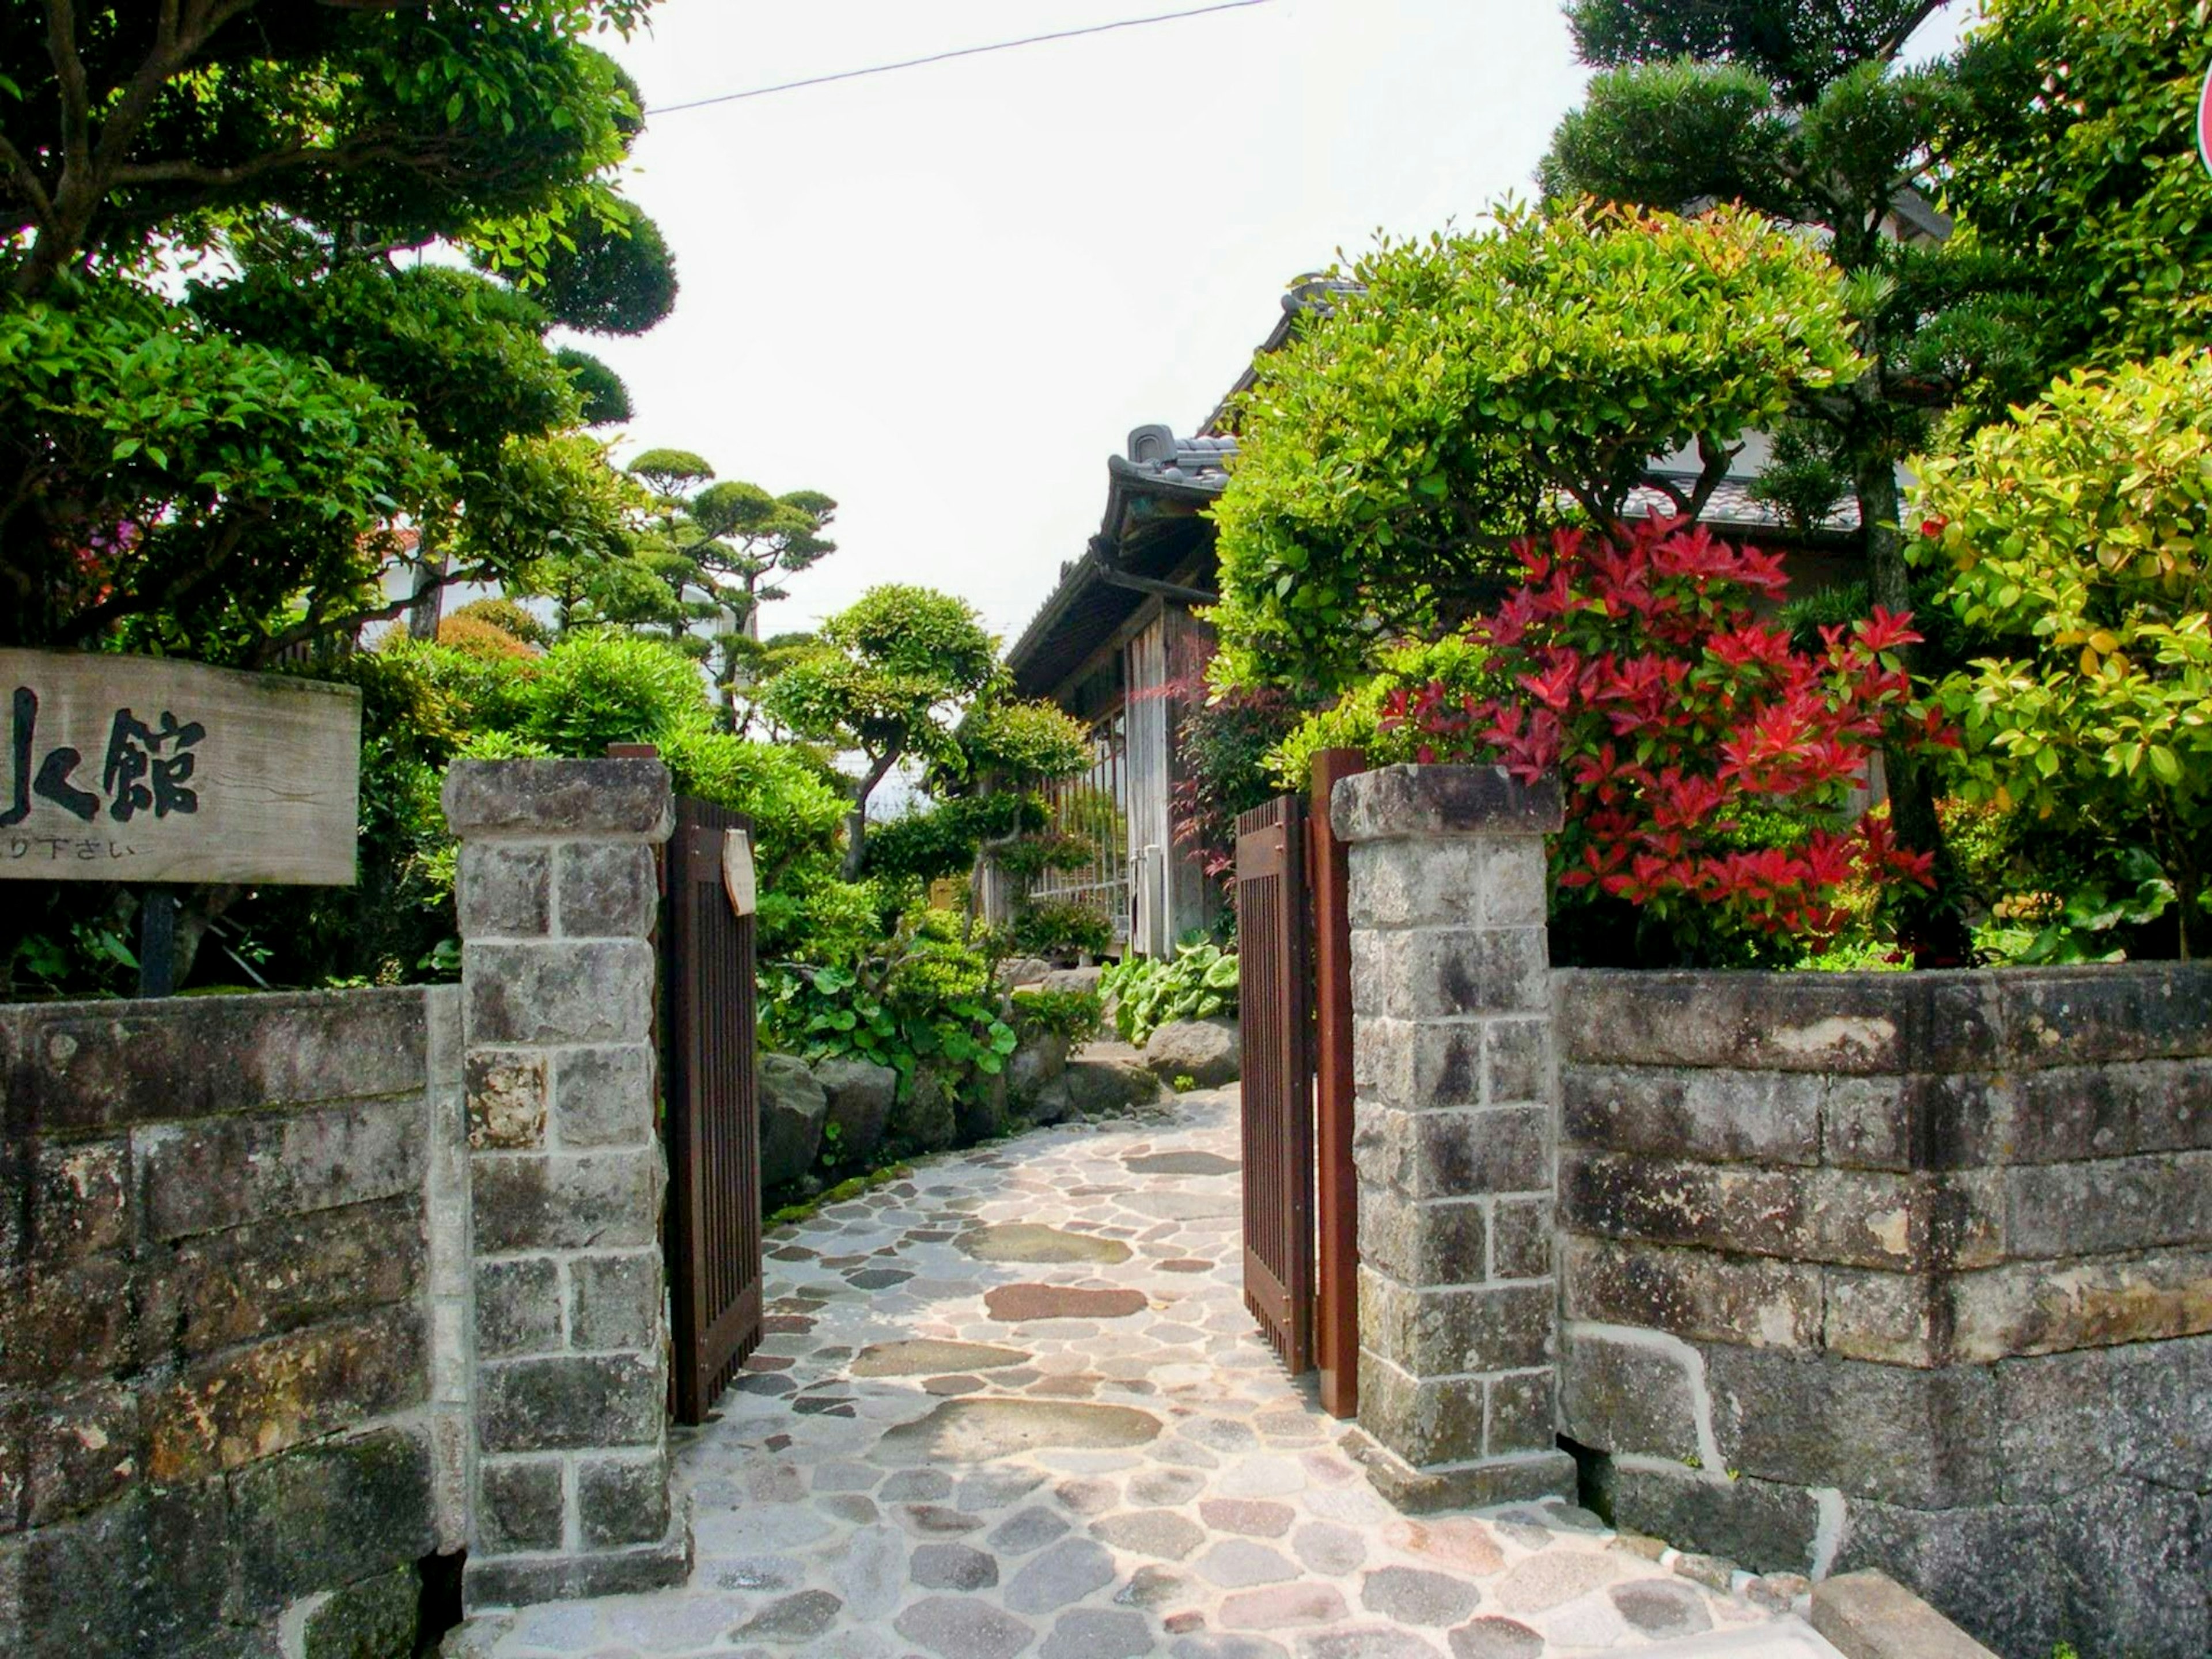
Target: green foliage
[
  {"x": 1025, "y": 739},
  {"x": 1358, "y": 720},
  {"x": 1222, "y": 743},
  {"x": 595, "y": 689},
  {"x": 1051, "y": 928},
  {"x": 1469, "y": 385},
  {"x": 508, "y": 617},
  {"x": 2078, "y": 152},
  {"x": 1802, "y": 46},
  {"x": 601, "y": 397},
  {"x": 1200, "y": 983},
  {"x": 1074, "y": 1017},
  {"x": 2077, "y": 534},
  {"x": 796, "y": 811},
  {"x": 936, "y": 842}
]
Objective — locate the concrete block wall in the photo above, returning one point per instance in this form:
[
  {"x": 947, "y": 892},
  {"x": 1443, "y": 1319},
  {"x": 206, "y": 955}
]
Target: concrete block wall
[
  {"x": 221, "y": 1427},
  {"x": 558, "y": 897},
  {"x": 1905, "y": 1271}
]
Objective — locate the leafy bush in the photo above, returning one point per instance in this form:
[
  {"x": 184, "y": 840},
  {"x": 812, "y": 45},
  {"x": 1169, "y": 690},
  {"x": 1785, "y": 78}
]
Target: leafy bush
[
  {"x": 796, "y": 811},
  {"x": 2075, "y": 536},
  {"x": 1706, "y": 761},
  {"x": 595, "y": 689},
  {"x": 1357, "y": 721},
  {"x": 477, "y": 637},
  {"x": 508, "y": 617},
  {"x": 1200, "y": 983},
  {"x": 1076, "y": 1017},
  {"x": 1047, "y": 928}
]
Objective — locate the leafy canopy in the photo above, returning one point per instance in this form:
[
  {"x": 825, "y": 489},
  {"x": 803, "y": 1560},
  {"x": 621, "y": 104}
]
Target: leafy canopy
[
  {"x": 1800, "y": 45},
  {"x": 1471, "y": 388},
  {"x": 2079, "y": 534}
]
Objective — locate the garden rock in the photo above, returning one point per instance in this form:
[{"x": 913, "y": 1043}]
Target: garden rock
[
  {"x": 1100, "y": 1087},
  {"x": 1024, "y": 970},
  {"x": 1071, "y": 979},
  {"x": 1041, "y": 1057},
  {"x": 861, "y": 1095},
  {"x": 923, "y": 1121},
  {"x": 1209, "y": 1052},
  {"x": 980, "y": 1113},
  {"x": 1053, "y": 1103},
  {"x": 792, "y": 1108}
]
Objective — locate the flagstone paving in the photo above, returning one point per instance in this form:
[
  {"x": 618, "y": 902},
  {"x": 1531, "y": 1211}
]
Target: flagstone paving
[{"x": 1015, "y": 1406}]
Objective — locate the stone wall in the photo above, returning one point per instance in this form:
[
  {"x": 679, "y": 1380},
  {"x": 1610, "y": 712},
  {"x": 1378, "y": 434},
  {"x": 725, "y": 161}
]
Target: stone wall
[
  {"x": 224, "y": 1427},
  {"x": 304, "y": 1290},
  {"x": 1905, "y": 1271}
]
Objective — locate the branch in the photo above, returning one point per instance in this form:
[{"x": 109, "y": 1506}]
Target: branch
[
  {"x": 276, "y": 644},
  {"x": 1717, "y": 459},
  {"x": 1904, "y": 31},
  {"x": 69, "y": 68},
  {"x": 28, "y": 182}
]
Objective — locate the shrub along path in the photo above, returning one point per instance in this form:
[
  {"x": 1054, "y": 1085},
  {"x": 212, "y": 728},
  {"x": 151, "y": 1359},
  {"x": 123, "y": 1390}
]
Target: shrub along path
[{"x": 1015, "y": 1406}]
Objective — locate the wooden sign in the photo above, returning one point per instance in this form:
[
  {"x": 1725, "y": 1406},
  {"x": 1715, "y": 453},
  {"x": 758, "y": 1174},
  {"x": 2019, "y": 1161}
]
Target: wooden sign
[
  {"x": 737, "y": 870},
  {"x": 139, "y": 769}
]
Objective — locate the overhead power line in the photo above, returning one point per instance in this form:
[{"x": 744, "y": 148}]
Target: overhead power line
[{"x": 960, "y": 52}]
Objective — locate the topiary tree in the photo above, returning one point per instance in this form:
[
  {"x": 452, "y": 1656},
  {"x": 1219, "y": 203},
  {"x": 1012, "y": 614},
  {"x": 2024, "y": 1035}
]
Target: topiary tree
[
  {"x": 889, "y": 681},
  {"x": 2077, "y": 534},
  {"x": 1471, "y": 388}
]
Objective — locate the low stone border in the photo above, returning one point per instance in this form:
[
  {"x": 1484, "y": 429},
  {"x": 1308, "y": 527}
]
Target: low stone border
[{"x": 1869, "y": 1615}]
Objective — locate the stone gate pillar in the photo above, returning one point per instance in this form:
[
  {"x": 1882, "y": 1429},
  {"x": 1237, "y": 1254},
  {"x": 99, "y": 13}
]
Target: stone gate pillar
[
  {"x": 558, "y": 895},
  {"x": 1455, "y": 1141}
]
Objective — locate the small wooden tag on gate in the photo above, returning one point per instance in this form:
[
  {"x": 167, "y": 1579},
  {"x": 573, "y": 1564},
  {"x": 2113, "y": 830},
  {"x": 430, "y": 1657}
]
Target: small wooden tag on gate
[{"x": 738, "y": 870}]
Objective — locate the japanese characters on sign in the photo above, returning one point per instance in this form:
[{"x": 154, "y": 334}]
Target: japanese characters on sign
[{"x": 133, "y": 768}]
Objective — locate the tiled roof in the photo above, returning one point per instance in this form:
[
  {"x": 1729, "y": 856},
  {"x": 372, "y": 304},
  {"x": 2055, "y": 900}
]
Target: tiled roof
[{"x": 1732, "y": 506}]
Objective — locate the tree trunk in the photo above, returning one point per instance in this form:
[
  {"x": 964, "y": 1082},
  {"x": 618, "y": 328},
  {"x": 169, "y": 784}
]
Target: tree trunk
[
  {"x": 1932, "y": 926},
  {"x": 424, "y": 615}
]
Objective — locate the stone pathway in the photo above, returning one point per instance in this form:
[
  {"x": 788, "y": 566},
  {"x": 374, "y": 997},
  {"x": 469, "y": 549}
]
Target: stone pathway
[{"x": 1016, "y": 1406}]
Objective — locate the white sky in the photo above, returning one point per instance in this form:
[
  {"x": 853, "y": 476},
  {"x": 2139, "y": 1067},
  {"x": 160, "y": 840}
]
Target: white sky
[{"x": 945, "y": 296}]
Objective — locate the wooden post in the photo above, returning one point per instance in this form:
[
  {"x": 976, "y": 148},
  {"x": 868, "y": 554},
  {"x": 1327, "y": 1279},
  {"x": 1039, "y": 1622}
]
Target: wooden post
[
  {"x": 157, "y": 942},
  {"x": 1336, "y": 1309}
]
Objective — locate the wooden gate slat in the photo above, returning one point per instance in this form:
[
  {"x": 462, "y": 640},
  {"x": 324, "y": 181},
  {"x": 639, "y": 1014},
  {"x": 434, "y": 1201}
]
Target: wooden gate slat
[
  {"x": 1275, "y": 1000},
  {"x": 712, "y": 1127}
]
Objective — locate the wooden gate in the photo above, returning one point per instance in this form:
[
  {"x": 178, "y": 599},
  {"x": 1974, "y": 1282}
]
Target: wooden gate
[
  {"x": 713, "y": 1117},
  {"x": 1274, "y": 1000}
]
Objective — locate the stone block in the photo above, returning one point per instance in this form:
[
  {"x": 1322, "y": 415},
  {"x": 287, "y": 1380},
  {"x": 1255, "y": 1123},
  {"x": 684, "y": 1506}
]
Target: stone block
[
  {"x": 226, "y": 1172},
  {"x": 1763, "y": 1526},
  {"x": 79, "y": 1204},
  {"x": 2112, "y": 1204},
  {"x": 1208, "y": 1052},
  {"x": 1854, "y": 1024},
  {"x": 1924, "y": 1120},
  {"x": 1445, "y": 973},
  {"x": 1433, "y": 801},
  {"x": 142, "y": 1576},
  {"x": 582, "y": 1201},
  {"x": 252, "y": 1402},
  {"x": 518, "y": 1307},
  {"x": 1420, "y": 882},
  {"x": 507, "y": 1099},
  {"x": 1417, "y": 1242},
  {"x": 559, "y": 800},
  {"x": 1718, "y": 1117},
  {"x": 520, "y": 1508},
  {"x": 373, "y": 1620},
  {"x": 523, "y": 1580},
  {"x": 1633, "y": 1393},
  {"x": 1492, "y": 1481},
  {"x": 2115, "y": 1111},
  {"x": 1456, "y": 1331},
  {"x": 604, "y": 1097},
  {"x": 1869, "y": 1615},
  {"x": 621, "y": 1502},
  {"x": 1521, "y": 1238},
  {"x": 2108, "y": 1012},
  {"x": 570, "y": 1403},
  {"x": 70, "y": 1323},
  {"x": 80, "y": 1068},
  {"x": 1516, "y": 1063},
  {"x": 1926, "y": 1438},
  {"x": 504, "y": 892},
  {"x": 1891, "y": 1318},
  {"x": 1700, "y": 1295},
  {"x": 1990, "y": 1570},
  {"x": 2043, "y": 1307},
  {"x": 2135, "y": 1568},
  {"x": 1516, "y": 884},
  {"x": 608, "y": 890},
  {"x": 331, "y": 1515},
  {"x": 581, "y": 991},
  {"x": 2071, "y": 1422},
  {"x": 1423, "y": 1423},
  {"x": 1416, "y": 1065},
  {"x": 1452, "y": 1152},
  {"x": 81, "y": 1448},
  {"x": 1523, "y": 1415},
  {"x": 288, "y": 1273},
  {"x": 615, "y": 1303},
  {"x": 793, "y": 1109}
]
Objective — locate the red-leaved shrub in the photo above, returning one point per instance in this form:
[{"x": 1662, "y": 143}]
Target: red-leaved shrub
[{"x": 1707, "y": 762}]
